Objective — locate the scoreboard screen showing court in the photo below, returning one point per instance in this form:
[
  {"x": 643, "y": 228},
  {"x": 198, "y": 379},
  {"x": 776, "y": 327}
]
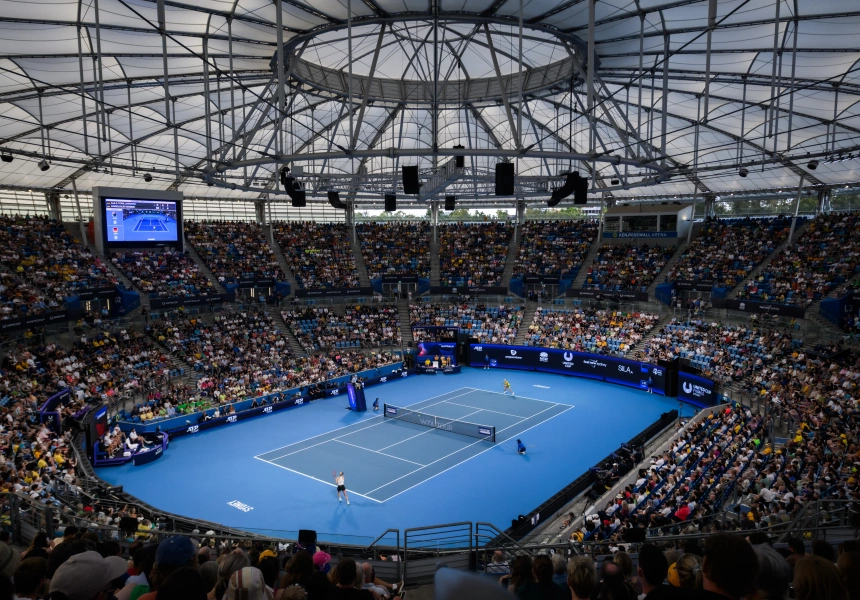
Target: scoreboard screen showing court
[{"x": 128, "y": 220}]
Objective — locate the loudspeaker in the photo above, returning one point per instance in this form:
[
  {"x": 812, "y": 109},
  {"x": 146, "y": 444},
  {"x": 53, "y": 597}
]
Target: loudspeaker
[
  {"x": 460, "y": 160},
  {"x": 450, "y": 202},
  {"x": 296, "y": 194},
  {"x": 307, "y": 537},
  {"x": 390, "y": 202},
  {"x": 634, "y": 536},
  {"x": 334, "y": 200},
  {"x": 564, "y": 191},
  {"x": 580, "y": 191},
  {"x": 411, "y": 185},
  {"x": 504, "y": 179}
]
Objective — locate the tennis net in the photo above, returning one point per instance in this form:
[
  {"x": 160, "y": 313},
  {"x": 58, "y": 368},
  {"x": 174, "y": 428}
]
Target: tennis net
[{"x": 482, "y": 432}]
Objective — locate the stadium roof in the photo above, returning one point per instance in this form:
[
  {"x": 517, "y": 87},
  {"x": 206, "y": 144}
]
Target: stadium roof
[{"x": 109, "y": 90}]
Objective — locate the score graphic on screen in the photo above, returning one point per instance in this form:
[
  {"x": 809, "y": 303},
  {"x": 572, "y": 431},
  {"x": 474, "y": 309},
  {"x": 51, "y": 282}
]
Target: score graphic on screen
[{"x": 140, "y": 220}]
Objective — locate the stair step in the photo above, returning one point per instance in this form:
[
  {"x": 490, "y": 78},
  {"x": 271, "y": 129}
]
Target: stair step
[
  {"x": 296, "y": 348},
  {"x": 586, "y": 262},
  {"x": 363, "y": 279},
  {"x": 282, "y": 259},
  {"x": 670, "y": 264},
  {"x": 528, "y": 318},
  {"x": 405, "y": 324},
  {"x": 763, "y": 264},
  {"x": 510, "y": 260},
  {"x": 192, "y": 252}
]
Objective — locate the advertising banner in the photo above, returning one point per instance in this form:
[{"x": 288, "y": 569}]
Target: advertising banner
[
  {"x": 469, "y": 290},
  {"x": 696, "y": 390},
  {"x": 549, "y": 279},
  {"x": 334, "y": 292},
  {"x": 434, "y": 331},
  {"x": 609, "y": 235},
  {"x": 400, "y": 278},
  {"x": 767, "y": 308},
  {"x": 565, "y": 362},
  {"x": 239, "y": 416},
  {"x": 19, "y": 323},
  {"x": 695, "y": 286},
  {"x": 161, "y": 303},
  {"x": 442, "y": 353},
  {"x": 608, "y": 295},
  {"x": 92, "y": 293}
]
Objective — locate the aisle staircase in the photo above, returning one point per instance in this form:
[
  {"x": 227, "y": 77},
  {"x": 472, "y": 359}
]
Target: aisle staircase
[
  {"x": 192, "y": 253},
  {"x": 363, "y": 279},
  {"x": 510, "y": 261},
  {"x": 282, "y": 262},
  {"x": 403, "y": 318},
  {"x": 579, "y": 281},
  {"x": 435, "y": 273},
  {"x": 528, "y": 317},
  {"x": 763, "y": 265},
  {"x": 284, "y": 329},
  {"x": 670, "y": 264}
]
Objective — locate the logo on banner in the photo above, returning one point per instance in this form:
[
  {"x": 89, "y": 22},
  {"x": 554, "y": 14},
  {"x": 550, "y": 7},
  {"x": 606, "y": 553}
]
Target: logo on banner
[
  {"x": 267, "y": 409},
  {"x": 479, "y": 348},
  {"x": 193, "y": 429},
  {"x": 404, "y": 374},
  {"x": 383, "y": 380},
  {"x": 299, "y": 401},
  {"x": 159, "y": 450},
  {"x": 513, "y": 352},
  {"x": 544, "y": 357},
  {"x": 514, "y": 355},
  {"x": 390, "y": 410},
  {"x": 335, "y": 392},
  {"x": 485, "y": 431},
  {"x": 594, "y": 363},
  {"x": 568, "y": 360},
  {"x": 625, "y": 369},
  {"x": 658, "y": 372},
  {"x": 232, "y": 419},
  {"x": 742, "y": 306},
  {"x": 688, "y": 387}
]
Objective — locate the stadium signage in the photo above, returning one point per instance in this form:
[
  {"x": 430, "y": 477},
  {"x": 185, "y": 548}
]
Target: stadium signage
[
  {"x": 333, "y": 292},
  {"x": 400, "y": 279},
  {"x": 695, "y": 286},
  {"x": 253, "y": 282},
  {"x": 769, "y": 308},
  {"x": 469, "y": 290},
  {"x": 611, "y": 369},
  {"x": 696, "y": 390},
  {"x": 34, "y": 321},
  {"x": 608, "y": 295},
  {"x": 240, "y": 505},
  {"x": 611, "y": 235},
  {"x": 92, "y": 293},
  {"x": 551, "y": 279},
  {"x": 176, "y": 301}
]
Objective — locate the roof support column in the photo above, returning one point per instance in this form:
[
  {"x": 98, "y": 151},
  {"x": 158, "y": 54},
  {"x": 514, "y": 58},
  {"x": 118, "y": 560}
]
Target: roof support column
[
  {"x": 84, "y": 96},
  {"x": 100, "y": 93},
  {"x": 639, "y": 104},
  {"x": 791, "y": 96},
  {"x": 695, "y": 163},
  {"x": 796, "y": 209},
  {"x": 279, "y": 122},
  {"x": 131, "y": 129},
  {"x": 743, "y": 124},
  {"x": 665, "y": 109},
  {"x": 520, "y": 111},
  {"x": 232, "y": 100},
  {"x": 206, "y": 99},
  {"x": 162, "y": 26},
  {"x": 514, "y": 133},
  {"x": 774, "y": 59},
  {"x": 590, "y": 76},
  {"x": 712, "y": 21},
  {"x": 835, "y": 114}
]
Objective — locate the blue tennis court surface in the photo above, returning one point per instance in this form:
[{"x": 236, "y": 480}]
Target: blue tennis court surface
[
  {"x": 273, "y": 474},
  {"x": 149, "y": 224},
  {"x": 386, "y": 457}
]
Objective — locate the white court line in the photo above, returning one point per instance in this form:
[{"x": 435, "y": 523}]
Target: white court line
[
  {"x": 490, "y": 410},
  {"x": 378, "y": 452},
  {"x": 315, "y": 479},
  {"x": 463, "y": 448},
  {"x": 515, "y": 396},
  {"x": 430, "y": 429},
  {"x": 340, "y": 436}
]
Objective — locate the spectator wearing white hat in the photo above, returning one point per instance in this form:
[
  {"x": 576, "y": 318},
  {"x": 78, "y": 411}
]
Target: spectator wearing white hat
[{"x": 87, "y": 576}]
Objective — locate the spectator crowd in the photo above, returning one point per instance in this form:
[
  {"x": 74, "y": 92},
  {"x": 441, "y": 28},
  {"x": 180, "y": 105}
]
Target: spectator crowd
[
  {"x": 399, "y": 248},
  {"x": 233, "y": 250},
  {"x": 319, "y": 255},
  {"x": 164, "y": 274},
  {"x": 473, "y": 254},
  {"x": 622, "y": 267},
  {"x": 489, "y": 324},
  {"x": 554, "y": 247},
  {"x": 360, "y": 326},
  {"x": 589, "y": 330}
]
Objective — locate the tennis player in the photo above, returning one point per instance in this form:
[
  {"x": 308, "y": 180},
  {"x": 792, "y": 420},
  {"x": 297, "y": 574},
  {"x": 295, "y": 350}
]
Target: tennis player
[
  {"x": 521, "y": 449},
  {"x": 341, "y": 486},
  {"x": 507, "y": 387}
]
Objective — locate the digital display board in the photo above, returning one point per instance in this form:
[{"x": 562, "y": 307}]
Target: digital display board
[
  {"x": 565, "y": 362},
  {"x": 135, "y": 222},
  {"x": 443, "y": 353},
  {"x": 696, "y": 390}
]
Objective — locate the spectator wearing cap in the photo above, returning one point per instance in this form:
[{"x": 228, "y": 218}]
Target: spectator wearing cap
[
  {"x": 87, "y": 576},
  {"x": 230, "y": 563},
  {"x": 652, "y": 571},
  {"x": 173, "y": 553},
  {"x": 248, "y": 584}
]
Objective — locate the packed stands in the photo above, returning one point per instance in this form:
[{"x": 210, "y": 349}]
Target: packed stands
[
  {"x": 361, "y": 326},
  {"x": 490, "y": 324},
  {"x": 589, "y": 330},
  {"x": 318, "y": 254},
  {"x": 727, "y": 250},
  {"x": 398, "y": 248},
  {"x": 554, "y": 247},
  {"x": 621, "y": 267},
  {"x": 473, "y": 254},
  {"x": 825, "y": 256},
  {"x": 164, "y": 274},
  {"x": 41, "y": 265},
  {"x": 233, "y": 249}
]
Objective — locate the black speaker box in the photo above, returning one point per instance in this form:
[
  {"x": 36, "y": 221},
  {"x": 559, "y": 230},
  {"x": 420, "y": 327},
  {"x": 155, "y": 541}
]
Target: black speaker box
[
  {"x": 411, "y": 185},
  {"x": 566, "y": 190},
  {"x": 460, "y": 160},
  {"x": 307, "y": 537},
  {"x": 580, "y": 191},
  {"x": 334, "y": 200},
  {"x": 296, "y": 194},
  {"x": 450, "y": 202},
  {"x": 390, "y": 202},
  {"x": 504, "y": 179}
]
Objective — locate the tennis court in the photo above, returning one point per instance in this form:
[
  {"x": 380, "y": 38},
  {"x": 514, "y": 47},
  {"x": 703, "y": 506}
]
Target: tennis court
[
  {"x": 149, "y": 224},
  {"x": 384, "y": 457}
]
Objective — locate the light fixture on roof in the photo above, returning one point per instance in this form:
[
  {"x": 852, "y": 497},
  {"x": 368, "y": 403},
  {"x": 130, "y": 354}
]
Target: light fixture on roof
[
  {"x": 743, "y": 172},
  {"x": 615, "y": 182},
  {"x": 813, "y": 164},
  {"x": 147, "y": 178},
  {"x": 7, "y": 157},
  {"x": 43, "y": 165}
]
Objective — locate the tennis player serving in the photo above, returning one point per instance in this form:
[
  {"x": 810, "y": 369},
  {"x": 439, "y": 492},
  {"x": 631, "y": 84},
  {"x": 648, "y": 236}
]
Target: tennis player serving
[
  {"x": 507, "y": 387},
  {"x": 341, "y": 487}
]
